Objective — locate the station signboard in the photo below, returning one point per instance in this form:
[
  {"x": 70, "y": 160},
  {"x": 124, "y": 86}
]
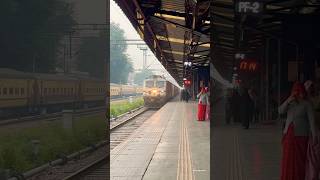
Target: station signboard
[
  {"x": 249, "y": 7},
  {"x": 248, "y": 65}
]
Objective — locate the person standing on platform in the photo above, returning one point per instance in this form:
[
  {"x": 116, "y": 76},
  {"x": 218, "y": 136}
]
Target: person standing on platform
[
  {"x": 298, "y": 125},
  {"x": 254, "y": 111},
  {"x": 208, "y": 104},
  {"x": 313, "y": 152},
  {"x": 246, "y": 107},
  {"x": 187, "y": 95},
  {"x": 235, "y": 106},
  {"x": 229, "y": 110},
  {"x": 181, "y": 95},
  {"x": 202, "y": 104}
]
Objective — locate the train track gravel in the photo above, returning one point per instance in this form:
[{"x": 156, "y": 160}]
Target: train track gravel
[{"x": 120, "y": 131}]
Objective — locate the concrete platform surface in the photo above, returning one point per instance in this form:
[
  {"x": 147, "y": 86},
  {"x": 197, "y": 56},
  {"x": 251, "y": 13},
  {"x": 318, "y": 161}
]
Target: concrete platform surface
[
  {"x": 240, "y": 154},
  {"x": 171, "y": 145}
]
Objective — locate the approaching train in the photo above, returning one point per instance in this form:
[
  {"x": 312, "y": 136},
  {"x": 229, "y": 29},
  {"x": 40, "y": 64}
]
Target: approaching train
[
  {"x": 157, "y": 91},
  {"x": 31, "y": 93}
]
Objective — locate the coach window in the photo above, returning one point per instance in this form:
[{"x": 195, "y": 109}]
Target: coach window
[
  {"x": 5, "y": 91},
  {"x": 22, "y": 91},
  {"x": 45, "y": 91},
  {"x": 64, "y": 91},
  {"x": 10, "y": 91},
  {"x": 160, "y": 84},
  {"x": 71, "y": 90},
  {"x": 16, "y": 91}
]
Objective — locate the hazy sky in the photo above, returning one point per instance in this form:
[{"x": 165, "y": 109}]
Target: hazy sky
[{"x": 117, "y": 16}]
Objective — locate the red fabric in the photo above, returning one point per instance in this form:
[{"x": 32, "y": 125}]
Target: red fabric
[
  {"x": 294, "y": 155},
  {"x": 298, "y": 89},
  {"x": 313, "y": 161},
  {"x": 201, "y": 112}
]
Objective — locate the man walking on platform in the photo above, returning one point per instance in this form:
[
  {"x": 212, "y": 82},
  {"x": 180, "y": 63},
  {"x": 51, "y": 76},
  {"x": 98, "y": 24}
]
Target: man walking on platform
[
  {"x": 229, "y": 111},
  {"x": 187, "y": 95},
  {"x": 235, "y": 106},
  {"x": 246, "y": 107}
]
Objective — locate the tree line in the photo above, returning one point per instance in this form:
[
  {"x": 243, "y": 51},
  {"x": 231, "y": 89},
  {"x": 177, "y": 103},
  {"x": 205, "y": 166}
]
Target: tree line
[{"x": 31, "y": 37}]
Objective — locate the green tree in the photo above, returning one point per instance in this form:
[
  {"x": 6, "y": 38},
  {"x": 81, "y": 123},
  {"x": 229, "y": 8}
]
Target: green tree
[
  {"x": 141, "y": 76},
  {"x": 92, "y": 55},
  {"x": 31, "y": 31},
  {"x": 120, "y": 63}
]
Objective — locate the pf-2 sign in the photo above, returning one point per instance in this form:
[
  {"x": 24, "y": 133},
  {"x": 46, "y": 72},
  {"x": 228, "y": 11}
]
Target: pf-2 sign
[{"x": 250, "y": 7}]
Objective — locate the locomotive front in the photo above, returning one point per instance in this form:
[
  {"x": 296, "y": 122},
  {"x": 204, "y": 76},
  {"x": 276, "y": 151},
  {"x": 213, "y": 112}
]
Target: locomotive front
[{"x": 154, "y": 92}]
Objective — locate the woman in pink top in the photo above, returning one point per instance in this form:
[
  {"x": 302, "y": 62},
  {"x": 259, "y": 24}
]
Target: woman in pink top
[{"x": 203, "y": 99}]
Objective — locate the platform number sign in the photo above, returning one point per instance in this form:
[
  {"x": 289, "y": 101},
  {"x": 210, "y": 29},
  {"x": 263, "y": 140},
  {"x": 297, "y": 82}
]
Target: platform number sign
[{"x": 249, "y": 7}]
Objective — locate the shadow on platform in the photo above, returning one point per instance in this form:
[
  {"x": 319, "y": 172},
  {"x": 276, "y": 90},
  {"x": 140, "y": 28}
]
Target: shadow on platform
[{"x": 240, "y": 154}]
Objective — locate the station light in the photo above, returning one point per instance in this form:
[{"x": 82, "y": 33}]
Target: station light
[
  {"x": 239, "y": 56},
  {"x": 188, "y": 64},
  {"x": 186, "y": 82}
]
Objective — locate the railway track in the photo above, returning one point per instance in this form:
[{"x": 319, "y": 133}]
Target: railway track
[
  {"x": 96, "y": 170},
  {"x": 51, "y": 116},
  {"x": 93, "y": 163},
  {"x": 120, "y": 131}
]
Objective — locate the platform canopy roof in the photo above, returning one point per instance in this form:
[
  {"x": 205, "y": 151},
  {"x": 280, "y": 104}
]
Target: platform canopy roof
[
  {"x": 177, "y": 31},
  {"x": 246, "y": 33}
]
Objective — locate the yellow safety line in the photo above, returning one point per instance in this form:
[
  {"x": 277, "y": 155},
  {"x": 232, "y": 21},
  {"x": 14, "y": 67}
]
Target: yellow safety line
[{"x": 184, "y": 171}]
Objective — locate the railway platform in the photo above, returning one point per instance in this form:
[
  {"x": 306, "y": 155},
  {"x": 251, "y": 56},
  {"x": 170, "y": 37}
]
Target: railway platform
[
  {"x": 240, "y": 154},
  {"x": 171, "y": 144}
]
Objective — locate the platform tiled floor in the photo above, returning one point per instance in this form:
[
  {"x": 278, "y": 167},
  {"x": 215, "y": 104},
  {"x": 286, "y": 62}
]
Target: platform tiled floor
[
  {"x": 171, "y": 145},
  {"x": 240, "y": 154}
]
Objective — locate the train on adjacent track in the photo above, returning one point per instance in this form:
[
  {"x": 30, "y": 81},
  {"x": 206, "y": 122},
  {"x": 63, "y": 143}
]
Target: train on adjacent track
[
  {"x": 122, "y": 90},
  {"x": 157, "y": 91},
  {"x": 24, "y": 93}
]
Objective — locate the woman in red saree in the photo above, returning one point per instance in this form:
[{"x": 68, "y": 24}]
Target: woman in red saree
[
  {"x": 299, "y": 124},
  {"x": 202, "y": 104}
]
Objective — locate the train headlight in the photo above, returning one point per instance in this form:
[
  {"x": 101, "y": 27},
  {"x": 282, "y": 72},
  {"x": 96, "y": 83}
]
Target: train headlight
[
  {"x": 154, "y": 91},
  {"x": 162, "y": 92}
]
